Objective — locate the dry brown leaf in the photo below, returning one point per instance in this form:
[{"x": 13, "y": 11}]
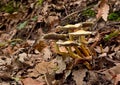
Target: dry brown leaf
[
  {"x": 40, "y": 45},
  {"x": 117, "y": 79},
  {"x": 40, "y": 18},
  {"x": 45, "y": 67},
  {"x": 106, "y": 49},
  {"x": 63, "y": 49},
  {"x": 110, "y": 73},
  {"x": 53, "y": 20},
  {"x": 32, "y": 73},
  {"x": 30, "y": 81},
  {"x": 47, "y": 53},
  {"x": 52, "y": 45},
  {"x": 61, "y": 66},
  {"x": 79, "y": 75},
  {"x": 103, "y": 55},
  {"x": 57, "y": 65},
  {"x": 103, "y": 10},
  {"x": 8, "y": 50},
  {"x": 98, "y": 49},
  {"x": 4, "y": 83}
]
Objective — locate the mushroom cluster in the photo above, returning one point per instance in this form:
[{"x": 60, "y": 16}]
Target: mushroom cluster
[{"x": 73, "y": 39}]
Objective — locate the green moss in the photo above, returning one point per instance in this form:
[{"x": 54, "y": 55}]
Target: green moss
[
  {"x": 40, "y": 2},
  {"x": 115, "y": 16},
  {"x": 111, "y": 35},
  {"x": 9, "y": 7},
  {"x": 89, "y": 13}
]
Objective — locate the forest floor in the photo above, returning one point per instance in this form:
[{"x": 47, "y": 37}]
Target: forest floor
[{"x": 30, "y": 30}]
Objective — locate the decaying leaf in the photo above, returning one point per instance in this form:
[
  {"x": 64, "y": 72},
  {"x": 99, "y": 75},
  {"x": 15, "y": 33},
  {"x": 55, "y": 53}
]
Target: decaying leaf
[
  {"x": 46, "y": 53},
  {"x": 103, "y": 10},
  {"x": 117, "y": 80},
  {"x": 30, "y": 81},
  {"x": 79, "y": 75},
  {"x": 45, "y": 67},
  {"x": 40, "y": 45},
  {"x": 57, "y": 65},
  {"x": 61, "y": 66},
  {"x": 110, "y": 73}
]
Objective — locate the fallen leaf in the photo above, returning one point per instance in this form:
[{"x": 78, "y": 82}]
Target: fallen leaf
[
  {"x": 22, "y": 57},
  {"x": 30, "y": 81},
  {"x": 117, "y": 80},
  {"x": 63, "y": 49},
  {"x": 103, "y": 55},
  {"x": 103, "y": 10},
  {"x": 61, "y": 66},
  {"x": 45, "y": 67},
  {"x": 79, "y": 75},
  {"x": 98, "y": 49},
  {"x": 53, "y": 20},
  {"x": 47, "y": 53},
  {"x": 33, "y": 73},
  {"x": 40, "y": 45},
  {"x": 106, "y": 49},
  {"x": 109, "y": 73}
]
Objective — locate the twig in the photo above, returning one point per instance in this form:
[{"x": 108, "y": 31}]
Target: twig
[{"x": 76, "y": 12}]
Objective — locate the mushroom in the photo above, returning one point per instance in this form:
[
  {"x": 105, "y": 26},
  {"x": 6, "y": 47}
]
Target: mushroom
[
  {"x": 70, "y": 28},
  {"x": 81, "y": 34},
  {"x": 76, "y": 26},
  {"x": 68, "y": 45},
  {"x": 56, "y": 37},
  {"x": 87, "y": 24}
]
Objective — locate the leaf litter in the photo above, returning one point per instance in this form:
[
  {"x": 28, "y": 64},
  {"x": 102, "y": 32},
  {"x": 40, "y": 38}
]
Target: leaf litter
[{"x": 28, "y": 59}]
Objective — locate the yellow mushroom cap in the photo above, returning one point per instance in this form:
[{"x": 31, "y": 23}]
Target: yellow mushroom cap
[
  {"x": 55, "y": 36},
  {"x": 87, "y": 24},
  {"x": 69, "y": 27},
  {"x": 75, "y": 26},
  {"x": 80, "y": 32},
  {"x": 67, "y": 43}
]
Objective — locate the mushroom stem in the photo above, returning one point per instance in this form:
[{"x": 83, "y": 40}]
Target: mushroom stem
[
  {"x": 83, "y": 39},
  {"x": 59, "y": 52},
  {"x": 83, "y": 47},
  {"x": 78, "y": 52},
  {"x": 73, "y": 55},
  {"x": 85, "y": 50},
  {"x": 87, "y": 65},
  {"x": 70, "y": 36},
  {"x": 57, "y": 48}
]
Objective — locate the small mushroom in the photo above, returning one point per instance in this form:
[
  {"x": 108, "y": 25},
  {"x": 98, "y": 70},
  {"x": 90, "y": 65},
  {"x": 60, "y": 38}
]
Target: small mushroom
[
  {"x": 80, "y": 32},
  {"x": 87, "y": 24},
  {"x": 70, "y": 27},
  {"x": 75, "y": 26},
  {"x": 55, "y": 36},
  {"x": 68, "y": 43}
]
